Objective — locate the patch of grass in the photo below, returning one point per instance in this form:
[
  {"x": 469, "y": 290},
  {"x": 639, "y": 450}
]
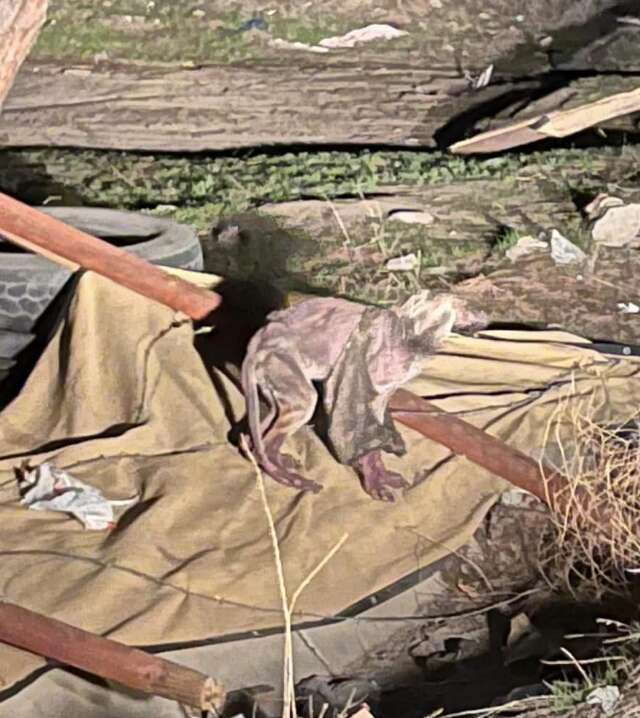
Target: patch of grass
[
  {"x": 309, "y": 31},
  {"x": 232, "y": 182},
  {"x": 616, "y": 665},
  {"x": 508, "y": 239},
  {"x": 142, "y": 30},
  {"x": 576, "y": 231}
]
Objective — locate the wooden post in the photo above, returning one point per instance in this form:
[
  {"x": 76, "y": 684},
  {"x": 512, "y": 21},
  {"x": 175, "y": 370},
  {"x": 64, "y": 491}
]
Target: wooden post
[{"x": 108, "y": 659}]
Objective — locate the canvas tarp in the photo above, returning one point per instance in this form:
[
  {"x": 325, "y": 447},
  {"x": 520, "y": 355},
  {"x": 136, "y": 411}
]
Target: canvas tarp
[{"x": 122, "y": 400}]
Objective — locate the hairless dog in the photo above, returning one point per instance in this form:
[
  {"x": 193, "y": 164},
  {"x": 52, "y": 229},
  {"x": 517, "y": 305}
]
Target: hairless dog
[{"x": 361, "y": 355}]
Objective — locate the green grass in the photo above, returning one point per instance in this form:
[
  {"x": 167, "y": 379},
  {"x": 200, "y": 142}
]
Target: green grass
[
  {"x": 159, "y": 31},
  {"x": 202, "y": 186},
  {"x": 506, "y": 241},
  {"x": 169, "y": 31},
  {"x": 615, "y": 666}
]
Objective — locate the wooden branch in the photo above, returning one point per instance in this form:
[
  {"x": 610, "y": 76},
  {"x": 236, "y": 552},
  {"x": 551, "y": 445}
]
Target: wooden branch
[
  {"x": 20, "y": 22},
  {"x": 108, "y": 659},
  {"x": 476, "y": 445},
  {"x": 56, "y": 240}
]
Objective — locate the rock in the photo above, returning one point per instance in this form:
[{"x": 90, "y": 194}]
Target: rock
[
  {"x": 281, "y": 44},
  {"x": 526, "y": 246},
  {"x": 618, "y": 225},
  {"x": 406, "y": 263},
  {"x": 409, "y": 216},
  {"x": 563, "y": 251}
]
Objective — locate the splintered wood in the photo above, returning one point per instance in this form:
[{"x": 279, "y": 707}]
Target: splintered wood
[{"x": 554, "y": 125}]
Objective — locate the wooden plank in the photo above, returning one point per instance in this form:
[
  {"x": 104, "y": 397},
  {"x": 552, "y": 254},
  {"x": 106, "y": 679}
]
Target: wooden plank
[
  {"x": 109, "y": 659},
  {"x": 554, "y": 125}
]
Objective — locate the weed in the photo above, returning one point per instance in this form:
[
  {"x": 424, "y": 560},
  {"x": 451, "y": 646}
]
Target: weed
[{"x": 508, "y": 239}]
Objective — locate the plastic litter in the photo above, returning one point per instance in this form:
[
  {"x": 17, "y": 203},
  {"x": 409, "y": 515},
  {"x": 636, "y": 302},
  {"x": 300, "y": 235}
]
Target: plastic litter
[
  {"x": 362, "y": 35},
  {"x": 46, "y": 488},
  {"x": 606, "y": 697}
]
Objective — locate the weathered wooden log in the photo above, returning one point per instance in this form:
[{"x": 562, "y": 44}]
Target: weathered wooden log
[
  {"x": 108, "y": 659},
  {"x": 37, "y": 231},
  {"x": 228, "y": 107},
  {"x": 20, "y": 22}
]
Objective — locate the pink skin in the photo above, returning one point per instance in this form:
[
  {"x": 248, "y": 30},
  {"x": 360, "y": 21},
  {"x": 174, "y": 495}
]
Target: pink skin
[
  {"x": 279, "y": 466},
  {"x": 301, "y": 345},
  {"x": 377, "y": 481}
]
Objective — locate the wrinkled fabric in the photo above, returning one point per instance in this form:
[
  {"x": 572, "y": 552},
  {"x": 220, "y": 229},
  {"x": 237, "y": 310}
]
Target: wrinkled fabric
[
  {"x": 354, "y": 426},
  {"x": 122, "y": 400}
]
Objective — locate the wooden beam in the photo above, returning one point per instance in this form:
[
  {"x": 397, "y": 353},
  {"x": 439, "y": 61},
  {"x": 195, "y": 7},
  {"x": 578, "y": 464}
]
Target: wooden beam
[
  {"x": 103, "y": 657},
  {"x": 56, "y": 240}
]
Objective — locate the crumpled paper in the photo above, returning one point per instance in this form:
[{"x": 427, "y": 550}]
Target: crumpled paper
[
  {"x": 606, "y": 697},
  {"x": 46, "y": 488}
]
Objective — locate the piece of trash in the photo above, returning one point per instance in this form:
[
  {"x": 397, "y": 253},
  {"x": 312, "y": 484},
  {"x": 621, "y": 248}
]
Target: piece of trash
[
  {"x": 628, "y": 308},
  {"x": 255, "y": 23},
  {"x": 279, "y": 43},
  {"x": 606, "y": 697},
  {"x": 362, "y": 35},
  {"x": 406, "y": 263},
  {"x": 615, "y": 224},
  {"x": 411, "y": 216},
  {"x": 526, "y": 246},
  {"x": 629, "y": 20},
  {"x": 483, "y": 79},
  {"x": 563, "y": 251},
  {"x": 46, "y": 488}
]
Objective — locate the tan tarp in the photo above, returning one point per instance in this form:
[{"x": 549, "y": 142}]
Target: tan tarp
[{"x": 122, "y": 400}]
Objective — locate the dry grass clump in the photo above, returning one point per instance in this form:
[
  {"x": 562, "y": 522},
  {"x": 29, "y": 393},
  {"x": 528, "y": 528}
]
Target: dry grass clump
[{"x": 593, "y": 548}]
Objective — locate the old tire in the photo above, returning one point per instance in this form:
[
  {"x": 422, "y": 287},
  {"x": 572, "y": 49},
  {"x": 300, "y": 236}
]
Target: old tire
[{"x": 29, "y": 283}]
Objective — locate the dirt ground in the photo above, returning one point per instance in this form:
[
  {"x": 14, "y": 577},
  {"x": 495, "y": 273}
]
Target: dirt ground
[{"x": 216, "y": 30}]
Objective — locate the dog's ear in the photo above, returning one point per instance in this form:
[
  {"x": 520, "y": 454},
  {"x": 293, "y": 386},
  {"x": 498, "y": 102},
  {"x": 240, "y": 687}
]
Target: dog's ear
[{"x": 432, "y": 319}]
